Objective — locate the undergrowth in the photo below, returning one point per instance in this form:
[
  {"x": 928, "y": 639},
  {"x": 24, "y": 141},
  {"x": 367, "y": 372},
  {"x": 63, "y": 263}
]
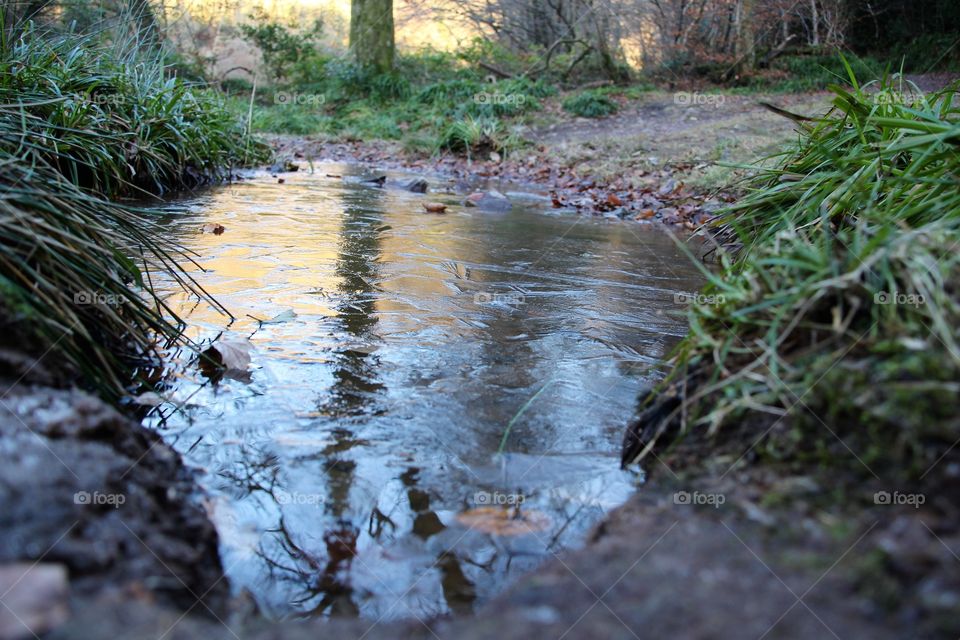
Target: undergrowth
[
  {"x": 85, "y": 120},
  {"x": 832, "y": 322}
]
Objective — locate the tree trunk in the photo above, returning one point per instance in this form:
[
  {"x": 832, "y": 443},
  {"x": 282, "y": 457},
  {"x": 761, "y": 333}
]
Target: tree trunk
[
  {"x": 814, "y": 24},
  {"x": 371, "y": 34},
  {"x": 746, "y": 57}
]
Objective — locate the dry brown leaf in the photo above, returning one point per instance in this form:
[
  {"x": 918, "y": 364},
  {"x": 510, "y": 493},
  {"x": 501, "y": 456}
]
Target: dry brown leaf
[
  {"x": 230, "y": 358},
  {"x": 504, "y": 522}
]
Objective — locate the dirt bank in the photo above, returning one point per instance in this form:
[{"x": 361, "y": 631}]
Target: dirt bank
[
  {"x": 90, "y": 495},
  {"x": 659, "y": 160},
  {"x": 661, "y": 566}
]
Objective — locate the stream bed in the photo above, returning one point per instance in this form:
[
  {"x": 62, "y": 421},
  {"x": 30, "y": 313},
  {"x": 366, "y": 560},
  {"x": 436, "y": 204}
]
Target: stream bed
[{"x": 436, "y": 402}]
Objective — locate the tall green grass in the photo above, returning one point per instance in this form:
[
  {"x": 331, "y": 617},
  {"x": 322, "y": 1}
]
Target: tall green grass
[
  {"x": 85, "y": 120},
  {"x": 832, "y": 326},
  {"x": 107, "y": 116}
]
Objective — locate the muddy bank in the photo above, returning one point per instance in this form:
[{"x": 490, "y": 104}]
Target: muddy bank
[
  {"x": 704, "y": 553},
  {"x": 657, "y": 568},
  {"x": 91, "y": 494}
]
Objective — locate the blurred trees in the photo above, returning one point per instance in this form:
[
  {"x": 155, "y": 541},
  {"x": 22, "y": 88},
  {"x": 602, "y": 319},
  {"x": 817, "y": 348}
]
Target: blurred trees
[{"x": 592, "y": 39}]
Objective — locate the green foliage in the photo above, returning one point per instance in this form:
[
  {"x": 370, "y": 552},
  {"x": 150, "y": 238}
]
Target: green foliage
[
  {"x": 111, "y": 120},
  {"x": 478, "y": 135},
  {"x": 840, "y": 306},
  {"x": 281, "y": 46},
  {"x": 433, "y": 96},
  {"x": 84, "y": 121},
  {"x": 590, "y": 104},
  {"x": 491, "y": 52},
  {"x": 813, "y": 72},
  {"x": 921, "y": 50}
]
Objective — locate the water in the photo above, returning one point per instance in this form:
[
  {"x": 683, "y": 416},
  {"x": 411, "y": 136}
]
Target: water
[{"x": 356, "y": 472}]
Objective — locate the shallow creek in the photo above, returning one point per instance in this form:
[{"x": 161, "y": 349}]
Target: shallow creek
[{"x": 436, "y": 401}]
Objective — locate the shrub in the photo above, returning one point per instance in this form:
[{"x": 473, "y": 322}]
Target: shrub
[
  {"x": 280, "y": 46},
  {"x": 590, "y": 104}
]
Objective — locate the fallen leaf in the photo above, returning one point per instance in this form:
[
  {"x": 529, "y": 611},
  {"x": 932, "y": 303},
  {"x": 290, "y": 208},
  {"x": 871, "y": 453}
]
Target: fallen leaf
[
  {"x": 283, "y": 316},
  {"x": 227, "y": 358},
  {"x": 434, "y": 207},
  {"x": 214, "y": 228},
  {"x": 613, "y": 200},
  {"x": 504, "y": 522}
]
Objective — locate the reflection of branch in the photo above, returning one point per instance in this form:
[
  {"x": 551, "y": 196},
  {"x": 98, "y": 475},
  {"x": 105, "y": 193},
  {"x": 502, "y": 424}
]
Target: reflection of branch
[
  {"x": 556, "y": 536},
  {"x": 381, "y": 519}
]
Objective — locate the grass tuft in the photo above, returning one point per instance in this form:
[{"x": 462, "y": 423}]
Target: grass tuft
[
  {"x": 84, "y": 120},
  {"x": 833, "y": 320}
]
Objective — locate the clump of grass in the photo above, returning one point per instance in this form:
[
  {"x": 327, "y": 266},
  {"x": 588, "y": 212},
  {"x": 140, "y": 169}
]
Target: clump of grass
[
  {"x": 478, "y": 136},
  {"x": 75, "y": 279},
  {"x": 107, "y": 117},
  {"x": 590, "y": 104},
  {"x": 83, "y": 120},
  {"x": 833, "y": 321}
]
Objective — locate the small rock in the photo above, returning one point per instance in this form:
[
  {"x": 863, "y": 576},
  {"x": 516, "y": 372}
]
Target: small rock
[
  {"x": 490, "y": 201},
  {"x": 473, "y": 199},
  {"x": 285, "y": 166},
  {"x": 669, "y": 187},
  {"x": 34, "y": 598},
  {"x": 418, "y": 185},
  {"x": 379, "y": 181}
]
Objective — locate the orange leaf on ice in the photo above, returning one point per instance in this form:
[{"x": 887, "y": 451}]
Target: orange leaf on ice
[{"x": 504, "y": 522}]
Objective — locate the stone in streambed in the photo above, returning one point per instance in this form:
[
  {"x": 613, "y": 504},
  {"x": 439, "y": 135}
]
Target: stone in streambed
[
  {"x": 417, "y": 185},
  {"x": 490, "y": 201},
  {"x": 285, "y": 166}
]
